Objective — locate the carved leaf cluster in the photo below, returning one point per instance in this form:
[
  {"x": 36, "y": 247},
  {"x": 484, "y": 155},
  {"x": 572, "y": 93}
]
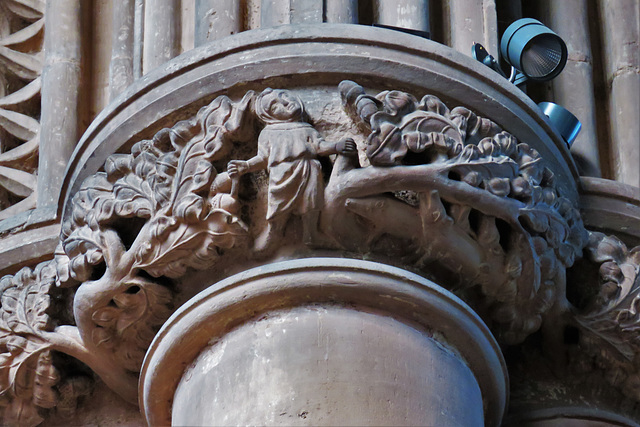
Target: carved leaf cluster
[
  {"x": 165, "y": 180},
  {"x": 27, "y": 376},
  {"x": 162, "y": 208},
  {"x": 610, "y": 323},
  {"x": 483, "y": 193}
]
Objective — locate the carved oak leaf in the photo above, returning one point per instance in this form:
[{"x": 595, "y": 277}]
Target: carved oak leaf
[
  {"x": 489, "y": 210},
  {"x": 180, "y": 246},
  {"x": 181, "y": 221},
  {"x": 610, "y": 323},
  {"x": 27, "y": 376}
]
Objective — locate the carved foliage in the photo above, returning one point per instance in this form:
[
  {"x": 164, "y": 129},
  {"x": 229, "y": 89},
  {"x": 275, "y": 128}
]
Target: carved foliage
[
  {"x": 158, "y": 209},
  {"x": 610, "y": 323},
  {"x": 446, "y": 191},
  {"x": 30, "y": 382},
  {"x": 486, "y": 205}
]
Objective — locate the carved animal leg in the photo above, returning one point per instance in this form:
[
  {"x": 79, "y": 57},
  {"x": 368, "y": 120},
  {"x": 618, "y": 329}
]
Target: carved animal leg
[{"x": 311, "y": 234}]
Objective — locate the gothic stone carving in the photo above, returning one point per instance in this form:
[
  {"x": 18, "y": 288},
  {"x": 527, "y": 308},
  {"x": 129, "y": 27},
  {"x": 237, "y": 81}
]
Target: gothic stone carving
[
  {"x": 20, "y": 69},
  {"x": 28, "y": 335},
  {"x": 448, "y": 193},
  {"x": 609, "y": 321},
  {"x": 288, "y": 147},
  {"x": 466, "y": 196}
]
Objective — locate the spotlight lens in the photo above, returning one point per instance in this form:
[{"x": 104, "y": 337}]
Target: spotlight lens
[
  {"x": 535, "y": 50},
  {"x": 542, "y": 56}
]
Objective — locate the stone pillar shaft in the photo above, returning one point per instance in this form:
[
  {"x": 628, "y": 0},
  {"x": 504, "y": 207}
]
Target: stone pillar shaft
[
  {"x": 573, "y": 88},
  {"x": 341, "y": 11},
  {"x": 60, "y": 82},
  {"x": 324, "y": 342},
  {"x": 620, "y": 34},
  {"x": 411, "y": 14},
  {"x": 473, "y": 21},
  {"x": 280, "y": 12},
  {"x": 215, "y": 19},
  {"x": 122, "y": 46},
  {"x": 161, "y": 32},
  {"x": 138, "y": 38}
]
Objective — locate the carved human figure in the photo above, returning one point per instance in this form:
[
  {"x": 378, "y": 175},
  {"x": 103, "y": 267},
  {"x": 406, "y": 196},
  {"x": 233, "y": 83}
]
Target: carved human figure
[{"x": 288, "y": 147}]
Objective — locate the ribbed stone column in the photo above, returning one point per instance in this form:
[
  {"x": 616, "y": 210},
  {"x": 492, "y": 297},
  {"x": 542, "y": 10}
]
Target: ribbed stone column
[
  {"x": 216, "y": 19},
  {"x": 473, "y": 21},
  {"x": 138, "y": 38},
  {"x": 161, "y": 32},
  {"x": 280, "y": 12},
  {"x": 341, "y": 11},
  {"x": 573, "y": 88},
  {"x": 410, "y": 14},
  {"x": 324, "y": 342},
  {"x": 621, "y": 51},
  {"x": 122, "y": 43},
  {"x": 60, "y": 84}
]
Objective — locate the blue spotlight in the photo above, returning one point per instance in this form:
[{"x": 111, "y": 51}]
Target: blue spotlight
[
  {"x": 562, "y": 120},
  {"x": 533, "y": 49}
]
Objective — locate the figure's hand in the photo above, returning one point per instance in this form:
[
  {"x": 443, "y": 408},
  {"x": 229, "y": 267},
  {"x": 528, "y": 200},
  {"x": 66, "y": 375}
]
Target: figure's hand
[
  {"x": 347, "y": 147},
  {"x": 237, "y": 168}
]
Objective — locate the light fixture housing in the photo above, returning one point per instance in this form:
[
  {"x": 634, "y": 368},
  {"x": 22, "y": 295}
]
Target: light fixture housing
[
  {"x": 533, "y": 49},
  {"x": 567, "y": 125}
]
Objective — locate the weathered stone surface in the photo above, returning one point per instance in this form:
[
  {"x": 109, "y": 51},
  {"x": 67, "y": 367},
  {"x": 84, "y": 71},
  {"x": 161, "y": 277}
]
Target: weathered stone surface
[
  {"x": 60, "y": 81},
  {"x": 411, "y": 14},
  {"x": 310, "y": 306},
  {"x": 610, "y": 206},
  {"x": 161, "y": 33},
  {"x": 620, "y": 34},
  {"x": 573, "y": 88},
  {"x": 122, "y": 42},
  {"x": 472, "y": 21},
  {"x": 216, "y": 19}
]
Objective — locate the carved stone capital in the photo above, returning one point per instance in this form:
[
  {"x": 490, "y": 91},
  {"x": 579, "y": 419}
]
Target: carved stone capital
[{"x": 158, "y": 210}]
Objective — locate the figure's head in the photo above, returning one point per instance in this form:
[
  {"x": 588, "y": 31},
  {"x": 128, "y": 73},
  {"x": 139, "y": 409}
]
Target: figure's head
[{"x": 279, "y": 105}]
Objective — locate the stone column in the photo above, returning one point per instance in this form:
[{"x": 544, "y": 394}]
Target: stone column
[
  {"x": 122, "y": 43},
  {"x": 573, "y": 88},
  {"x": 324, "y": 342},
  {"x": 621, "y": 59},
  {"x": 161, "y": 32},
  {"x": 341, "y": 11},
  {"x": 473, "y": 21},
  {"x": 410, "y": 14},
  {"x": 60, "y": 81},
  {"x": 216, "y": 19},
  {"x": 138, "y": 38},
  {"x": 280, "y": 12}
]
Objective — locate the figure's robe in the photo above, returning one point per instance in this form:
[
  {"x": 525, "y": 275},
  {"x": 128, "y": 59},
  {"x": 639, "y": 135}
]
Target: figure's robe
[{"x": 295, "y": 174}]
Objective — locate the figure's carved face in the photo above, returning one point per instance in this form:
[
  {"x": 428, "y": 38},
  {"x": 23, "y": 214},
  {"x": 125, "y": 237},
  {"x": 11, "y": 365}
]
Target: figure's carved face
[{"x": 281, "y": 105}]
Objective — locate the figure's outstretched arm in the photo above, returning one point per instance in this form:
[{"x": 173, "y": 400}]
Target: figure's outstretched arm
[
  {"x": 240, "y": 167},
  {"x": 346, "y": 146}
]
